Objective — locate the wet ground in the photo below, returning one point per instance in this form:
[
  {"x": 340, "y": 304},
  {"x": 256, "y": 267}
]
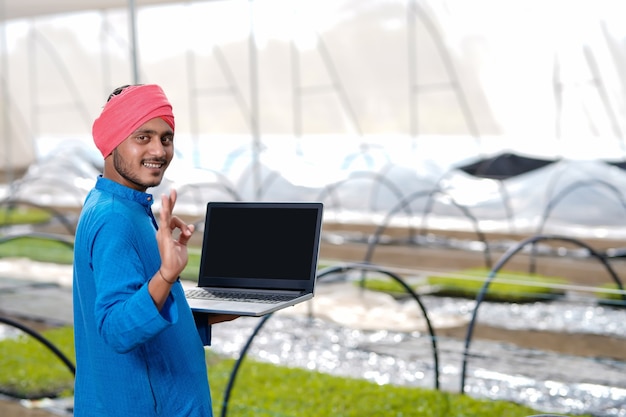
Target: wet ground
[
  {"x": 566, "y": 356},
  {"x": 527, "y": 362},
  {"x": 12, "y": 408}
]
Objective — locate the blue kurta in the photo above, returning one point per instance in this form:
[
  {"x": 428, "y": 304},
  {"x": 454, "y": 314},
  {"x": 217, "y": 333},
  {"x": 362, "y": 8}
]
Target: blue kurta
[{"x": 131, "y": 359}]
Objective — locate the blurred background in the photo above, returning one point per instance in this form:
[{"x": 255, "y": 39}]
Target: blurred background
[
  {"x": 502, "y": 107},
  {"x": 463, "y": 127}
]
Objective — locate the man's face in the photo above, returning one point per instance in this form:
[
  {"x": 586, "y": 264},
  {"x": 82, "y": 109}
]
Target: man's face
[{"x": 140, "y": 161}]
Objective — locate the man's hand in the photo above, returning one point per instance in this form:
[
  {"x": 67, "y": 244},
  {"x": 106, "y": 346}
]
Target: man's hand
[
  {"x": 215, "y": 318},
  {"x": 173, "y": 251}
]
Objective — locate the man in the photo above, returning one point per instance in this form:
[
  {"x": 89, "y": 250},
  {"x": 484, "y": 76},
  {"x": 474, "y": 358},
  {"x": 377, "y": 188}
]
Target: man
[{"x": 138, "y": 350}]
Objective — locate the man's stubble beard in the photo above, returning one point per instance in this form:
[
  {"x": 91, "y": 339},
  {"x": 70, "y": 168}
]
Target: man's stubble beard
[{"x": 125, "y": 171}]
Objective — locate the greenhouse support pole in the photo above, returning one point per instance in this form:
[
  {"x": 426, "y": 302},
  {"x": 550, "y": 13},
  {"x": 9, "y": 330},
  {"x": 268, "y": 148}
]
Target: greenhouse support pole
[{"x": 132, "y": 17}]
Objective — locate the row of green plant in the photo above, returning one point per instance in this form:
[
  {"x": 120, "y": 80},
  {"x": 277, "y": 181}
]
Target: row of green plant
[
  {"x": 21, "y": 214},
  {"x": 260, "y": 390},
  {"x": 40, "y": 249},
  {"x": 507, "y": 286}
]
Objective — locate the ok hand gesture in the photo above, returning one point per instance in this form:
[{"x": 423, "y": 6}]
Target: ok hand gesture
[{"x": 173, "y": 251}]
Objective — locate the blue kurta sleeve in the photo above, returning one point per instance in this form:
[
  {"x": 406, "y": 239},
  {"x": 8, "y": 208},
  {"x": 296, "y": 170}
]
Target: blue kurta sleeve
[
  {"x": 124, "y": 310},
  {"x": 203, "y": 326}
]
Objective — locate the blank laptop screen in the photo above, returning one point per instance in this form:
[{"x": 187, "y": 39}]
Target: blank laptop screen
[{"x": 257, "y": 242}]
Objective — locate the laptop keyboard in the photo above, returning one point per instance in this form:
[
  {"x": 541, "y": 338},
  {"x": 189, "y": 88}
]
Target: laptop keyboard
[{"x": 199, "y": 293}]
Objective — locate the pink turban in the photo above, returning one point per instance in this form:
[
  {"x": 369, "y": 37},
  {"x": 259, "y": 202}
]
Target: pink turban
[{"x": 126, "y": 112}]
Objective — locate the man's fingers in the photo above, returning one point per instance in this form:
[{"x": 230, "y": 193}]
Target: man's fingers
[
  {"x": 174, "y": 222},
  {"x": 186, "y": 230},
  {"x": 173, "y": 196},
  {"x": 166, "y": 211},
  {"x": 220, "y": 318},
  {"x": 177, "y": 222}
]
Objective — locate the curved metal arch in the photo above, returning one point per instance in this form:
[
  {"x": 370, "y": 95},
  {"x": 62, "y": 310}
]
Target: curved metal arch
[
  {"x": 40, "y": 338},
  {"x": 348, "y": 160},
  {"x": 321, "y": 274},
  {"x": 364, "y": 153},
  {"x": 560, "y": 171},
  {"x": 379, "y": 179},
  {"x": 374, "y": 239},
  {"x": 505, "y": 258},
  {"x": 562, "y": 194},
  {"x": 375, "y": 189},
  {"x": 468, "y": 214},
  {"x": 237, "y": 153},
  {"x": 232, "y": 192},
  {"x": 238, "y": 363},
  {"x": 374, "y": 268}
]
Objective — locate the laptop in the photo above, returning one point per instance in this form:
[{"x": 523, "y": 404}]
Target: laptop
[{"x": 257, "y": 257}]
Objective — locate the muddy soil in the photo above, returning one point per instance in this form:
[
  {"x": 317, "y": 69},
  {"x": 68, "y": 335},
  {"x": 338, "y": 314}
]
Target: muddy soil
[
  {"x": 586, "y": 345},
  {"x": 11, "y": 408}
]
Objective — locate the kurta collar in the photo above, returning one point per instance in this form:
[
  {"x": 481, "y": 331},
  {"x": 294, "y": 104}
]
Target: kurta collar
[{"x": 110, "y": 186}]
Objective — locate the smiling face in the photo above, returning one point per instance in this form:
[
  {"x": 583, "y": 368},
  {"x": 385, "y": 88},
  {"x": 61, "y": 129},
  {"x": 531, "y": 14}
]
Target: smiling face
[{"x": 140, "y": 161}]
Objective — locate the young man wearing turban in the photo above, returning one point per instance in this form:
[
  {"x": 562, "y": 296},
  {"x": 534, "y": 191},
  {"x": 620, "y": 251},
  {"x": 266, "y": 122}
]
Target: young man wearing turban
[{"x": 139, "y": 348}]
